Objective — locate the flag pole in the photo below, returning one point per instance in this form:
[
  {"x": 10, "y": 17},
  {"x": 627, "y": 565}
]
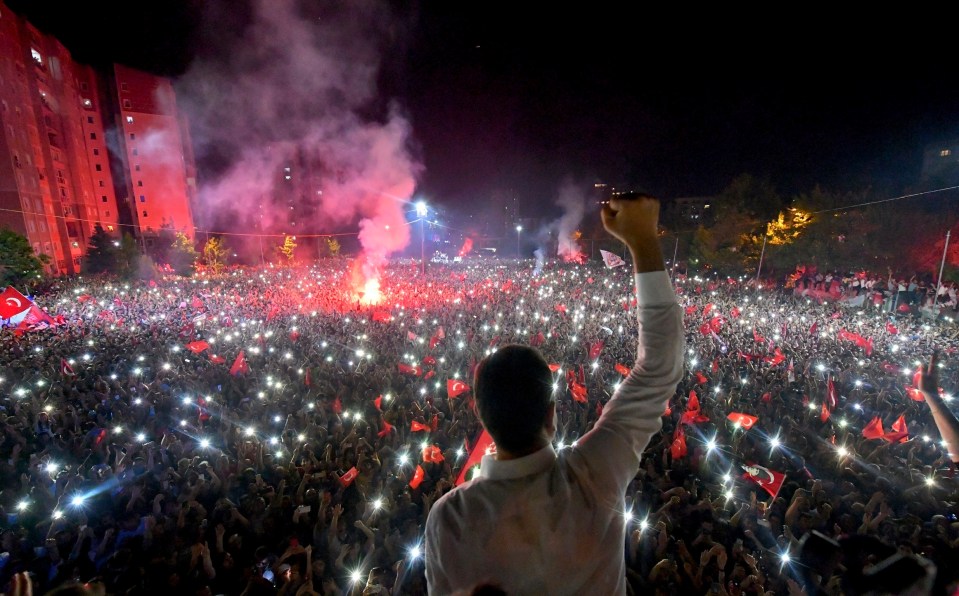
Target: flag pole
[
  {"x": 942, "y": 266},
  {"x": 672, "y": 270},
  {"x": 761, "y": 255}
]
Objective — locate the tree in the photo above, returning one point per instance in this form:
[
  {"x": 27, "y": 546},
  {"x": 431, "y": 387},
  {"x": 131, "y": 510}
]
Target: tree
[
  {"x": 182, "y": 255},
  {"x": 214, "y": 253},
  {"x": 18, "y": 263},
  {"x": 333, "y": 245},
  {"x": 288, "y": 247},
  {"x": 127, "y": 257},
  {"x": 101, "y": 254}
]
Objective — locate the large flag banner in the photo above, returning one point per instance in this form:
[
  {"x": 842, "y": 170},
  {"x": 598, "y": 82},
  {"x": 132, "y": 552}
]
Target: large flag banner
[
  {"x": 611, "y": 259},
  {"x": 769, "y": 480},
  {"x": 484, "y": 446},
  {"x": 13, "y": 303}
]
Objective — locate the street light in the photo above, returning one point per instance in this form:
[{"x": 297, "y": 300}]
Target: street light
[
  {"x": 422, "y": 211},
  {"x": 518, "y": 230}
]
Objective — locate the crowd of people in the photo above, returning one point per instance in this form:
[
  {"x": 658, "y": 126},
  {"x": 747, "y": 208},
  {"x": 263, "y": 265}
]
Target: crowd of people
[{"x": 286, "y": 431}]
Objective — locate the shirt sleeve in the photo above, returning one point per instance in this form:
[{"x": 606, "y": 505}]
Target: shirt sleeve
[{"x": 634, "y": 414}]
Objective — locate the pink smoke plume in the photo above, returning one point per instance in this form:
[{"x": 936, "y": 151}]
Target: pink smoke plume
[
  {"x": 284, "y": 101},
  {"x": 573, "y": 203},
  {"x": 466, "y": 248}
]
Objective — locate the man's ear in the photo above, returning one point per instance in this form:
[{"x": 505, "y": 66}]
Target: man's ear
[{"x": 550, "y": 423}]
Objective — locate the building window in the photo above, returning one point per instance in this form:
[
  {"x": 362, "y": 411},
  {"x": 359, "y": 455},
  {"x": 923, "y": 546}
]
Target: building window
[
  {"x": 139, "y": 182},
  {"x": 107, "y": 214},
  {"x": 99, "y": 168},
  {"x": 945, "y": 153},
  {"x": 127, "y": 104},
  {"x": 143, "y": 198},
  {"x": 89, "y": 119},
  {"x": 103, "y": 198},
  {"x": 87, "y": 104},
  {"x": 144, "y": 214},
  {"x": 129, "y": 119},
  {"x": 93, "y": 136},
  {"x": 123, "y": 87},
  {"x": 96, "y": 152},
  {"x": 42, "y": 226},
  {"x": 83, "y": 86},
  {"x": 135, "y": 152},
  {"x": 102, "y": 184},
  {"x": 133, "y": 136},
  {"x": 137, "y": 167}
]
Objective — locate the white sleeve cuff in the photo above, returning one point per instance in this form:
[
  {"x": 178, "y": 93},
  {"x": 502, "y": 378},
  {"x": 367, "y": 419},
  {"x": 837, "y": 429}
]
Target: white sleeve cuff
[{"x": 654, "y": 287}]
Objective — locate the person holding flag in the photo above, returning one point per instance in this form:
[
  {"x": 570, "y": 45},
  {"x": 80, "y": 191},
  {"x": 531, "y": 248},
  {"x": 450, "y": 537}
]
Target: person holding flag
[{"x": 538, "y": 522}]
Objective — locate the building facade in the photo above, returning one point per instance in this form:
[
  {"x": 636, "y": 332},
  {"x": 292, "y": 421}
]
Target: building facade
[{"x": 79, "y": 148}]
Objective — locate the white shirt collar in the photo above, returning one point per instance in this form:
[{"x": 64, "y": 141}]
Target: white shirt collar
[{"x": 508, "y": 469}]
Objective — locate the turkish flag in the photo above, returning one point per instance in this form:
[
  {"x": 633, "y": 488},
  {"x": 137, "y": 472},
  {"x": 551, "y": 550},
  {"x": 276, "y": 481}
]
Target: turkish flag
[
  {"x": 348, "y": 478},
  {"x": 196, "y": 303},
  {"x": 899, "y": 432},
  {"x": 692, "y": 415},
  {"x": 690, "y": 310},
  {"x": 824, "y": 413},
  {"x": 85, "y": 298},
  {"x": 382, "y": 316},
  {"x": 218, "y": 359},
  {"x": 677, "y": 448},
  {"x": 417, "y": 479},
  {"x": 831, "y": 394},
  {"x": 411, "y": 336},
  {"x": 537, "y": 340},
  {"x": 595, "y": 349},
  {"x": 385, "y": 429},
  {"x": 757, "y": 337},
  {"x": 744, "y": 420},
  {"x": 873, "y": 430},
  {"x": 734, "y": 313},
  {"x": 12, "y": 303},
  {"x": 705, "y": 329},
  {"x": 433, "y": 341},
  {"x": 406, "y": 369},
  {"x": 418, "y": 426},
  {"x": 701, "y": 378},
  {"x": 769, "y": 480},
  {"x": 715, "y": 365},
  {"x": 903, "y": 308},
  {"x": 429, "y": 361},
  {"x": 483, "y": 447},
  {"x": 578, "y": 390},
  {"x": 891, "y": 329},
  {"x": 560, "y": 308},
  {"x": 239, "y": 365},
  {"x": 197, "y": 346},
  {"x": 813, "y": 328},
  {"x": 553, "y": 367},
  {"x": 430, "y": 375},
  {"x": 378, "y": 402},
  {"x": 707, "y": 309},
  {"x": 65, "y": 368},
  {"x": 294, "y": 335},
  {"x": 455, "y": 387},
  {"x": 621, "y": 369},
  {"x": 433, "y": 455}
]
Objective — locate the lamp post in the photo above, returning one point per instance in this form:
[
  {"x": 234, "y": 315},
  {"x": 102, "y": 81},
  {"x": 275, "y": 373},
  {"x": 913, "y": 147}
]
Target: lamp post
[
  {"x": 422, "y": 211},
  {"x": 519, "y": 229}
]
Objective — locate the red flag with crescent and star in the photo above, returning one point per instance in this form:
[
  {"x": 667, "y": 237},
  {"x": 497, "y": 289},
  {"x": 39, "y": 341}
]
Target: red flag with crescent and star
[
  {"x": 455, "y": 387},
  {"x": 769, "y": 480}
]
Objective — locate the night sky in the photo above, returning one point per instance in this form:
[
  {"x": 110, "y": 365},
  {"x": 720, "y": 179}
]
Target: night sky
[{"x": 508, "y": 98}]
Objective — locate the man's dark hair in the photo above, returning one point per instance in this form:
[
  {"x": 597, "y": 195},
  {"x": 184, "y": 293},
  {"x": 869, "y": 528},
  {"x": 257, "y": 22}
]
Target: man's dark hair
[{"x": 514, "y": 391}]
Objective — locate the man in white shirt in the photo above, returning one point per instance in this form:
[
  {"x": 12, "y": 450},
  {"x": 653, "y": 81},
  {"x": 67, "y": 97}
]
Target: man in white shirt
[{"x": 538, "y": 522}]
